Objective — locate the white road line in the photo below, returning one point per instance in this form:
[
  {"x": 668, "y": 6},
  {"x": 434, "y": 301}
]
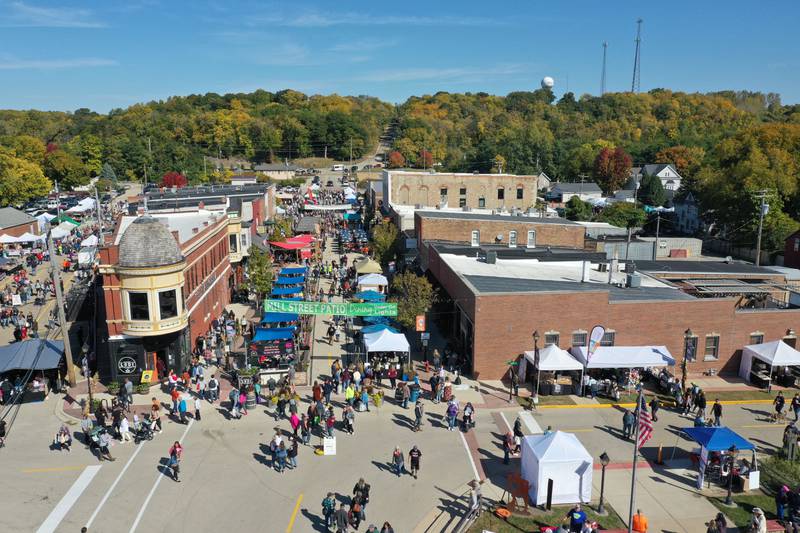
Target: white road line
[
  {"x": 161, "y": 476},
  {"x": 503, "y": 416},
  {"x": 57, "y": 515},
  {"x": 469, "y": 454},
  {"x": 533, "y": 426},
  {"x": 113, "y": 486}
]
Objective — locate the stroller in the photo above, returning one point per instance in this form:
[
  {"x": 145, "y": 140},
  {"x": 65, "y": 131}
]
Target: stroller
[
  {"x": 94, "y": 438},
  {"x": 144, "y": 431}
]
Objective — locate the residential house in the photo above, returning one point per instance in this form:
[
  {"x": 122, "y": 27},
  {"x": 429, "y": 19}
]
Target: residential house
[
  {"x": 670, "y": 179},
  {"x": 562, "y": 192},
  {"x": 15, "y": 223},
  {"x": 687, "y": 215}
]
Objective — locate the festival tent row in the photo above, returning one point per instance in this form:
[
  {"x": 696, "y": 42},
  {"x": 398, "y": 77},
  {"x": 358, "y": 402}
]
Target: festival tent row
[
  {"x": 624, "y": 357},
  {"x": 25, "y": 237},
  {"x": 84, "y": 205},
  {"x": 775, "y": 353}
]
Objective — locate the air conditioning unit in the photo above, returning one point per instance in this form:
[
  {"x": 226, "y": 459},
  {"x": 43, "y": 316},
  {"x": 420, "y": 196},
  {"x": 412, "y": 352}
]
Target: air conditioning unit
[
  {"x": 633, "y": 281},
  {"x": 417, "y": 206},
  {"x": 466, "y": 209},
  {"x": 491, "y": 257}
]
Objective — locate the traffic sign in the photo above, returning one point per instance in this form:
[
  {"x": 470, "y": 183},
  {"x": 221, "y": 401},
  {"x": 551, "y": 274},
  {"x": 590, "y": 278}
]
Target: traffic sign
[{"x": 340, "y": 309}]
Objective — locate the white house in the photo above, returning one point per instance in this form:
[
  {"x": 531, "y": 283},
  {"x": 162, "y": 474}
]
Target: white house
[
  {"x": 277, "y": 171},
  {"x": 670, "y": 179},
  {"x": 562, "y": 192}
]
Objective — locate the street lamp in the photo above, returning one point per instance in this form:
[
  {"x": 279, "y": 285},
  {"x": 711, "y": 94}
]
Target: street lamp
[
  {"x": 732, "y": 458},
  {"x": 604, "y": 460},
  {"x": 536, "y": 360},
  {"x": 688, "y": 350}
]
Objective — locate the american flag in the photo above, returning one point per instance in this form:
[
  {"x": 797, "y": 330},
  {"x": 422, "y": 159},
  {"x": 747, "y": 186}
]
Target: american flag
[{"x": 645, "y": 427}]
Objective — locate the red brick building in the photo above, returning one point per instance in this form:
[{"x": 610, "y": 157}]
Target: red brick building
[
  {"x": 496, "y": 307},
  {"x": 164, "y": 279},
  {"x": 15, "y": 223}
]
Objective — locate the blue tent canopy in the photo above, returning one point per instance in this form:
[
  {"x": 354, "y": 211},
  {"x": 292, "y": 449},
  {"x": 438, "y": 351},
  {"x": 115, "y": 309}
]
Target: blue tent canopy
[
  {"x": 292, "y": 271},
  {"x": 376, "y": 320},
  {"x": 378, "y": 327},
  {"x": 274, "y": 334},
  {"x": 352, "y": 216},
  {"x": 370, "y": 296},
  {"x": 23, "y": 355},
  {"x": 293, "y": 299},
  {"x": 718, "y": 439},
  {"x": 274, "y": 318},
  {"x": 282, "y": 291},
  {"x": 297, "y": 280}
]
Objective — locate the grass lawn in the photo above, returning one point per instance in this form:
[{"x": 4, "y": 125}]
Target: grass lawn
[
  {"x": 745, "y": 503},
  {"x": 516, "y": 523},
  {"x": 547, "y": 400}
]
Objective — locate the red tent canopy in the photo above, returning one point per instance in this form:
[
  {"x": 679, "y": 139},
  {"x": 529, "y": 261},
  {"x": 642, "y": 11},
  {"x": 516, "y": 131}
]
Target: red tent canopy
[{"x": 288, "y": 245}]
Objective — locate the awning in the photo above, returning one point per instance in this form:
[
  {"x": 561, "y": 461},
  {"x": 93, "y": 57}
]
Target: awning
[
  {"x": 275, "y": 318},
  {"x": 64, "y": 218},
  {"x": 283, "y": 291},
  {"x": 376, "y": 320},
  {"x": 378, "y": 327},
  {"x": 373, "y": 279},
  {"x": 625, "y": 356},
  {"x": 292, "y": 271},
  {"x": 553, "y": 358},
  {"x": 368, "y": 266},
  {"x": 273, "y": 334},
  {"x": 34, "y": 354},
  {"x": 370, "y": 296},
  {"x": 286, "y": 280},
  {"x": 7, "y": 239},
  {"x": 91, "y": 240},
  {"x": 775, "y": 353},
  {"x": 30, "y": 237},
  {"x": 718, "y": 439},
  {"x": 386, "y": 341},
  {"x": 289, "y": 245}
]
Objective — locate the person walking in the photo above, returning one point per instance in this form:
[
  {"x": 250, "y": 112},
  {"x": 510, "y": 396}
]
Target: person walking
[
  {"x": 414, "y": 457},
  {"x": 291, "y": 453},
  {"x": 508, "y": 447},
  {"x": 197, "y": 408},
  {"x": 628, "y": 420},
  {"x": 452, "y": 412},
  {"x": 329, "y": 510},
  {"x": 182, "y": 410},
  {"x": 104, "y": 441},
  {"x": 796, "y": 407},
  {"x": 639, "y": 522},
  {"x": 419, "y": 412},
  {"x": 576, "y": 518},
  {"x": 342, "y": 520},
  {"x": 405, "y": 394},
  {"x": 233, "y": 397},
  {"x": 124, "y": 429},
  {"x": 778, "y": 403},
  {"x": 398, "y": 464},
  {"x": 716, "y": 410},
  {"x": 655, "y": 405},
  {"x": 174, "y": 464},
  {"x": 701, "y": 404},
  {"x": 155, "y": 414}
]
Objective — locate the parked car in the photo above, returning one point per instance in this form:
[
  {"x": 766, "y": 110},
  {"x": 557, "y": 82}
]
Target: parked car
[
  {"x": 329, "y": 184},
  {"x": 337, "y": 168}
]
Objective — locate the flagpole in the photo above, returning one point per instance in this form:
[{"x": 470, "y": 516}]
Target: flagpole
[{"x": 635, "y": 460}]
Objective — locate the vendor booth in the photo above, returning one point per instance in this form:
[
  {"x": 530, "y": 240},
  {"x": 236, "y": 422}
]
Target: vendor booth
[
  {"x": 271, "y": 319},
  {"x": 386, "y": 341},
  {"x": 293, "y": 271},
  {"x": 367, "y": 266},
  {"x": 759, "y": 362},
  {"x": 375, "y": 282},
  {"x": 370, "y": 296},
  {"x": 558, "y": 372},
  {"x": 272, "y": 347},
  {"x": 718, "y": 458},
  {"x": 624, "y": 357},
  {"x": 559, "y": 457}
]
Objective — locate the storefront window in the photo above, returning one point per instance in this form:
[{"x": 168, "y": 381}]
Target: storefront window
[
  {"x": 168, "y": 304},
  {"x": 140, "y": 310},
  {"x": 234, "y": 244}
]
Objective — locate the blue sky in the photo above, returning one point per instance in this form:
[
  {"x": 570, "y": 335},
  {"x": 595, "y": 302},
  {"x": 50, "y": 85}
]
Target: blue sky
[{"x": 102, "y": 55}]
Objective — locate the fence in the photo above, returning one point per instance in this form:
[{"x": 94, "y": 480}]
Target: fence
[{"x": 723, "y": 247}]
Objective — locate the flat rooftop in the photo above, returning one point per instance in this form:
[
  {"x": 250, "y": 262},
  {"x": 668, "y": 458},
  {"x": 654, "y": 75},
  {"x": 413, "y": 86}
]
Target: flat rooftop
[
  {"x": 532, "y": 275},
  {"x": 704, "y": 267},
  {"x": 507, "y": 217},
  {"x": 183, "y": 223}
]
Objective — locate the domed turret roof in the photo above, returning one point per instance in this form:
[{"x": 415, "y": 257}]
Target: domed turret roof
[{"x": 148, "y": 243}]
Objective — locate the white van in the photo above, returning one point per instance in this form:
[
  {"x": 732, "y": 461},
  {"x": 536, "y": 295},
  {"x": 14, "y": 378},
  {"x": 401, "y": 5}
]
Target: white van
[
  {"x": 52, "y": 203},
  {"x": 337, "y": 168}
]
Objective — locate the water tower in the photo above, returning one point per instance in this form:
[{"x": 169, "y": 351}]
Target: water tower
[{"x": 548, "y": 82}]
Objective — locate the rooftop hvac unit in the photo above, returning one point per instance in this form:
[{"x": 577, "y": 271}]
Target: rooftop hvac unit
[
  {"x": 633, "y": 281},
  {"x": 417, "y": 206},
  {"x": 491, "y": 257},
  {"x": 466, "y": 209},
  {"x": 602, "y": 267}
]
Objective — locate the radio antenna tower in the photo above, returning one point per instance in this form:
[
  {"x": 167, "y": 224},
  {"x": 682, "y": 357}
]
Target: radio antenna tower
[
  {"x": 637, "y": 59},
  {"x": 603, "y": 76}
]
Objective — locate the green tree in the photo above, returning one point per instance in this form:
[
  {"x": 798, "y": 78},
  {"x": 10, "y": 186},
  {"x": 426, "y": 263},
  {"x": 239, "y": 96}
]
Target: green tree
[
  {"x": 107, "y": 173},
  {"x": 66, "y": 169},
  {"x": 103, "y": 185},
  {"x": 259, "y": 273},
  {"x": 577, "y": 209},
  {"x": 384, "y": 242},
  {"x": 281, "y": 229},
  {"x": 414, "y": 296},
  {"x": 623, "y": 215},
  {"x": 651, "y": 191},
  {"x": 20, "y": 180}
]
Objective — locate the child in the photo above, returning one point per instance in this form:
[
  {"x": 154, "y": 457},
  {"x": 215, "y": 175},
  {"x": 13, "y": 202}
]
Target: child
[{"x": 197, "y": 409}]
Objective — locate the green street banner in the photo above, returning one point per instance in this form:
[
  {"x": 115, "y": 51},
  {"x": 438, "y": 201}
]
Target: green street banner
[{"x": 320, "y": 308}]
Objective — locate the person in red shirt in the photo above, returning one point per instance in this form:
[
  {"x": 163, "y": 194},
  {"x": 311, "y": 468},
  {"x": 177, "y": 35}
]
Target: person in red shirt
[{"x": 176, "y": 396}]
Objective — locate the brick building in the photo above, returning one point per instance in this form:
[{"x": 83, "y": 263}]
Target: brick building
[
  {"x": 495, "y": 308},
  {"x": 15, "y": 223},
  {"x": 476, "y": 191},
  {"x": 502, "y": 230},
  {"x": 164, "y": 279}
]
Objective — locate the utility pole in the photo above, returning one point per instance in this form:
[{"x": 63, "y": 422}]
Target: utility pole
[
  {"x": 58, "y": 200},
  {"x": 99, "y": 215},
  {"x": 637, "y": 59},
  {"x": 62, "y": 318},
  {"x": 658, "y": 227},
  {"x": 326, "y": 152},
  {"x": 205, "y": 172},
  {"x": 150, "y": 153},
  {"x": 763, "y": 210},
  {"x": 603, "y": 76},
  {"x": 351, "y": 153}
]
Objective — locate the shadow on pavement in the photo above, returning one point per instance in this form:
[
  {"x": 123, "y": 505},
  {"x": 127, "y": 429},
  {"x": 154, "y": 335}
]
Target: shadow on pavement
[
  {"x": 403, "y": 421},
  {"x": 316, "y": 522}
]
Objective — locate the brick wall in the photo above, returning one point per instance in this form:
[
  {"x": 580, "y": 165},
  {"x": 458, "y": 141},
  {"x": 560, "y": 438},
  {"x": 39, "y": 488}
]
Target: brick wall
[{"x": 21, "y": 229}]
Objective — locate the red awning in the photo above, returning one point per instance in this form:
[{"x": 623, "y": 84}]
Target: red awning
[
  {"x": 305, "y": 254},
  {"x": 289, "y": 245}
]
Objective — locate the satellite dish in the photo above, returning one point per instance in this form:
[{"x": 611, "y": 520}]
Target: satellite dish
[{"x": 548, "y": 82}]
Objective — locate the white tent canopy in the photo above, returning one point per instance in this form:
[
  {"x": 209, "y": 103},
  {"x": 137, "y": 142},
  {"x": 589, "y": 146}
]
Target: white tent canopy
[
  {"x": 348, "y": 191},
  {"x": 44, "y": 219},
  {"x": 775, "y": 353},
  {"x": 62, "y": 230},
  {"x": 386, "y": 341},
  {"x": 625, "y": 356},
  {"x": 30, "y": 237},
  {"x": 7, "y": 239},
  {"x": 561, "y": 457},
  {"x": 552, "y": 358},
  {"x": 90, "y": 241},
  {"x": 84, "y": 205},
  {"x": 373, "y": 280}
]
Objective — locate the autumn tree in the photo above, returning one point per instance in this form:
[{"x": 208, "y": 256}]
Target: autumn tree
[
  {"x": 425, "y": 159},
  {"x": 66, "y": 169},
  {"x": 685, "y": 159},
  {"x": 414, "y": 296},
  {"x": 396, "y": 160},
  {"x": 174, "y": 179},
  {"x": 281, "y": 229},
  {"x": 612, "y": 168},
  {"x": 20, "y": 180}
]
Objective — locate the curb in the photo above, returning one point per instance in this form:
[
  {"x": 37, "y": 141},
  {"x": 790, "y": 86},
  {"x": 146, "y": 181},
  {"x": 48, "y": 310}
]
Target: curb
[
  {"x": 627, "y": 405},
  {"x": 58, "y": 411}
]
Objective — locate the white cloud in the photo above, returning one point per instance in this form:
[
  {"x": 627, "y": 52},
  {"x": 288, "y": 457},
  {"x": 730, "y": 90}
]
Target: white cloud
[
  {"x": 452, "y": 74},
  {"x": 314, "y": 19},
  {"x": 10, "y": 63},
  {"x": 362, "y": 45},
  {"x": 22, "y": 15}
]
